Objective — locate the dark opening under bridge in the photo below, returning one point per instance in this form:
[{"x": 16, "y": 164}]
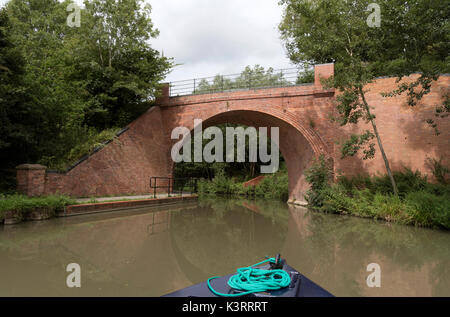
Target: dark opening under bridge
[{"x": 301, "y": 112}]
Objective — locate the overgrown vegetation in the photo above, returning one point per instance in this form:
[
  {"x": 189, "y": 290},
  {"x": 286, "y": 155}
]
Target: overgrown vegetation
[
  {"x": 240, "y": 171},
  {"x": 89, "y": 143},
  {"x": 419, "y": 202},
  {"x": 406, "y": 41},
  {"x": 23, "y": 205},
  {"x": 273, "y": 186},
  {"x": 61, "y": 86},
  {"x": 440, "y": 172}
]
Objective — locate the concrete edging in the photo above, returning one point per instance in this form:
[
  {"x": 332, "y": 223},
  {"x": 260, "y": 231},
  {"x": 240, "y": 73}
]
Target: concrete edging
[
  {"x": 83, "y": 209},
  {"x": 302, "y": 203}
]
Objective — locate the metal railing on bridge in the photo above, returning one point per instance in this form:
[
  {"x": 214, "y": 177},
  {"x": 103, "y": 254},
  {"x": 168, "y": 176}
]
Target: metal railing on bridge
[
  {"x": 173, "y": 186},
  {"x": 254, "y": 79}
]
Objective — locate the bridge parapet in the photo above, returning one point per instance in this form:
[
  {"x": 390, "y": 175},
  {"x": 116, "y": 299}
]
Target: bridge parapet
[
  {"x": 301, "y": 112},
  {"x": 322, "y": 71},
  {"x": 285, "y": 82},
  {"x": 315, "y": 89}
]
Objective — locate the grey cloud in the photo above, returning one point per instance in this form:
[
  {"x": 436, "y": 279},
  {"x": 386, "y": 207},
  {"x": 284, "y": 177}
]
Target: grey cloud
[
  {"x": 217, "y": 36},
  {"x": 211, "y": 36}
]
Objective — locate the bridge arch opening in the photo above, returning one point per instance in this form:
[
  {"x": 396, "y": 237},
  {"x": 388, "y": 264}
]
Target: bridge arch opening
[{"x": 297, "y": 144}]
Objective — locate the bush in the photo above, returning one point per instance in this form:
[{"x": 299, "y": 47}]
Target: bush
[
  {"x": 332, "y": 199},
  {"x": 407, "y": 181},
  {"x": 438, "y": 189},
  {"x": 273, "y": 186},
  {"x": 92, "y": 141},
  {"x": 355, "y": 182},
  {"x": 419, "y": 203},
  {"x": 381, "y": 206},
  {"x": 442, "y": 218},
  {"x": 318, "y": 176},
  {"x": 440, "y": 172},
  {"x": 220, "y": 184},
  {"x": 428, "y": 209}
]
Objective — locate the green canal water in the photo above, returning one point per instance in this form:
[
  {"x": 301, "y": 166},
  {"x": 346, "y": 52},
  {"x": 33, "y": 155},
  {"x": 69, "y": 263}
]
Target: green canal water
[{"x": 154, "y": 251}]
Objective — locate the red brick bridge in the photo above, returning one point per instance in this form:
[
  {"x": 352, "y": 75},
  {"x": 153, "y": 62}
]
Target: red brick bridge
[{"x": 301, "y": 112}]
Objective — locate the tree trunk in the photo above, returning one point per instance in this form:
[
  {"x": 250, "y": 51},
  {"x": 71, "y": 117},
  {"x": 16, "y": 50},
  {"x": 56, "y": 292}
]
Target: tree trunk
[
  {"x": 380, "y": 145},
  {"x": 252, "y": 169}
]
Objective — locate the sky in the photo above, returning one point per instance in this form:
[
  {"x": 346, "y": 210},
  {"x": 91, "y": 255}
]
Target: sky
[{"x": 209, "y": 37}]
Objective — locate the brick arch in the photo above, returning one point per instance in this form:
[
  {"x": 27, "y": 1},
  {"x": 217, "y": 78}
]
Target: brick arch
[
  {"x": 125, "y": 165},
  {"x": 298, "y": 143},
  {"x": 299, "y": 124}
]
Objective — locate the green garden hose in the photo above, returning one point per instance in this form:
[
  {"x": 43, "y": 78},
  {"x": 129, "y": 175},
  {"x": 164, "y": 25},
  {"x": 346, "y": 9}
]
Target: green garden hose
[{"x": 253, "y": 280}]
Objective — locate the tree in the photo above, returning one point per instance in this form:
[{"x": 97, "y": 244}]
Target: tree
[
  {"x": 337, "y": 31},
  {"x": 55, "y": 105},
  {"x": 122, "y": 71},
  {"x": 15, "y": 130},
  {"x": 10, "y": 76},
  {"x": 62, "y": 85},
  {"x": 415, "y": 38},
  {"x": 250, "y": 77}
]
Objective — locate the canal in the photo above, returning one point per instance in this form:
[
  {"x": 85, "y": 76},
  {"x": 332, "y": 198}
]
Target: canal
[{"x": 154, "y": 251}]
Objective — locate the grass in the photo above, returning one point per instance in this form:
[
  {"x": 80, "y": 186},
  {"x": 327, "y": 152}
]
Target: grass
[
  {"x": 23, "y": 205},
  {"x": 419, "y": 202},
  {"x": 420, "y": 208}
]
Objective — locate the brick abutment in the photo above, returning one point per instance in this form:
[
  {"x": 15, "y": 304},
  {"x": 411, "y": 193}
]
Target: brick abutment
[{"x": 302, "y": 114}]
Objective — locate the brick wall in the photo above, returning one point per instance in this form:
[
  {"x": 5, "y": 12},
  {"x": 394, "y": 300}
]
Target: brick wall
[
  {"x": 301, "y": 113},
  {"x": 407, "y": 139},
  {"x": 31, "y": 179}
]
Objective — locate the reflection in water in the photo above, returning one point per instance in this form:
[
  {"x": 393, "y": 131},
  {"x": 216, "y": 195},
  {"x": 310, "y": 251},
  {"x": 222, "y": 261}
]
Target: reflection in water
[
  {"x": 217, "y": 238},
  {"x": 335, "y": 251},
  {"x": 153, "y": 251}
]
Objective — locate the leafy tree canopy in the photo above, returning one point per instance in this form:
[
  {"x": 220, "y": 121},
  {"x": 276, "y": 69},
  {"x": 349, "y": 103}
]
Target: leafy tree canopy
[
  {"x": 61, "y": 85},
  {"x": 413, "y": 36},
  {"x": 251, "y": 77}
]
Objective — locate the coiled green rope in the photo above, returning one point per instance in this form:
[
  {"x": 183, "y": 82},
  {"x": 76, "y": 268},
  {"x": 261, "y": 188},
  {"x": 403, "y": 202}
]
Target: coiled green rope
[{"x": 253, "y": 280}]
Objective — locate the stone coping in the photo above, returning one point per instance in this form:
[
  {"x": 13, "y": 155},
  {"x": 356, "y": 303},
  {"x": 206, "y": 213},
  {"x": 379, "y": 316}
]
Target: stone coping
[
  {"x": 31, "y": 167},
  {"x": 13, "y": 217}
]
